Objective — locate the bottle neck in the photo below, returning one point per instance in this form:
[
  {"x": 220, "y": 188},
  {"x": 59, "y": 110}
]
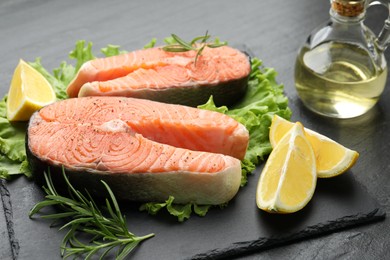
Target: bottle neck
[
  {"x": 348, "y": 11},
  {"x": 346, "y": 19}
]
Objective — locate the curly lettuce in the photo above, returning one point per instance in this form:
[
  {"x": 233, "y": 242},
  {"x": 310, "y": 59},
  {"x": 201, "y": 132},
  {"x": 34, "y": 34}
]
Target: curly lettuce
[
  {"x": 263, "y": 99},
  {"x": 12, "y": 146}
]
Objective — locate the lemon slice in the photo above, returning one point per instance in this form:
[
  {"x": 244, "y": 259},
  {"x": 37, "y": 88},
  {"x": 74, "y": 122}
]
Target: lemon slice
[
  {"x": 288, "y": 180},
  {"x": 29, "y": 91},
  {"x": 332, "y": 158}
]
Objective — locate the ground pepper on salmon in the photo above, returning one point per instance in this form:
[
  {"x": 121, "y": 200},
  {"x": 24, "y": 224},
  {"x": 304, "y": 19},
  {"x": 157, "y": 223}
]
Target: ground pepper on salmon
[
  {"x": 168, "y": 77},
  {"x": 144, "y": 150}
]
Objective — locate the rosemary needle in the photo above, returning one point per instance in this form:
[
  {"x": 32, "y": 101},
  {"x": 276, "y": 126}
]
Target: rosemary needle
[
  {"x": 108, "y": 230},
  {"x": 177, "y": 44}
]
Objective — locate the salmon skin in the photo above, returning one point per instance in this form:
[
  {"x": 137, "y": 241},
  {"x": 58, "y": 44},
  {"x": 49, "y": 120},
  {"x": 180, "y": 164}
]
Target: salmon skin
[
  {"x": 168, "y": 77},
  {"x": 145, "y": 150}
]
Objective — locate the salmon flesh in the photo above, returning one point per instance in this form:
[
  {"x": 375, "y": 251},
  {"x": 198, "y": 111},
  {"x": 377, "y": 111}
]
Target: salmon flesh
[
  {"x": 145, "y": 150},
  {"x": 169, "y": 77}
]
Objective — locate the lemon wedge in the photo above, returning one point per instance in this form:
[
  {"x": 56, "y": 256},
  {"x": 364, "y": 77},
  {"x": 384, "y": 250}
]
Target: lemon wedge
[
  {"x": 332, "y": 158},
  {"x": 29, "y": 91},
  {"x": 288, "y": 180}
]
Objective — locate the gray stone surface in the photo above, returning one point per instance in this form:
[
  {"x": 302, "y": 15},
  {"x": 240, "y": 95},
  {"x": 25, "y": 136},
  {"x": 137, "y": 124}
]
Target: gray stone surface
[{"x": 273, "y": 30}]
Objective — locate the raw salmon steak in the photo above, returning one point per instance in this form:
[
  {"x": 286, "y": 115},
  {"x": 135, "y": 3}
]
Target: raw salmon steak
[
  {"x": 145, "y": 150},
  {"x": 169, "y": 77}
]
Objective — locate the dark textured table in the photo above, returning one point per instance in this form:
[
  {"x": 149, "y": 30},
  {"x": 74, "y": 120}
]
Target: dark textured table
[{"x": 272, "y": 30}]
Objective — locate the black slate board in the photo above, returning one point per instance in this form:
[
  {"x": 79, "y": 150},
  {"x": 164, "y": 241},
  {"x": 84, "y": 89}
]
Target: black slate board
[{"x": 240, "y": 228}]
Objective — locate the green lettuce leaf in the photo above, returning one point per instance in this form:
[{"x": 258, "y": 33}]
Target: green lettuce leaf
[
  {"x": 150, "y": 44},
  {"x": 181, "y": 211},
  {"x": 112, "y": 50},
  {"x": 12, "y": 145},
  {"x": 263, "y": 99},
  {"x": 81, "y": 54},
  {"x": 9, "y": 168},
  {"x": 12, "y": 139}
]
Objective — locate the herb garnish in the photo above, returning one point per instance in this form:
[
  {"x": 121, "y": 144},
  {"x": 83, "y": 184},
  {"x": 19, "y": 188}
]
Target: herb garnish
[
  {"x": 176, "y": 44},
  {"x": 107, "y": 231}
]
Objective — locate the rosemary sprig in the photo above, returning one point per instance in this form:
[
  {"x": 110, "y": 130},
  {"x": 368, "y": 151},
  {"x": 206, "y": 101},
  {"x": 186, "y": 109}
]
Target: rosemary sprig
[
  {"x": 107, "y": 231},
  {"x": 177, "y": 44}
]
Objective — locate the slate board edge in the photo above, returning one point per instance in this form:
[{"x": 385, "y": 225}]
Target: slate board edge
[
  {"x": 7, "y": 206},
  {"x": 262, "y": 243}
]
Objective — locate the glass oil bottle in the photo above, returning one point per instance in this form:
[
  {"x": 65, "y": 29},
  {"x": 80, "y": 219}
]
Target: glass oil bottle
[{"x": 341, "y": 71}]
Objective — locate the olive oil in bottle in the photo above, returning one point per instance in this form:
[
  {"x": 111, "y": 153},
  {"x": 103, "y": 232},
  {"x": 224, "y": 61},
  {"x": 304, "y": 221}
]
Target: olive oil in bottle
[
  {"x": 338, "y": 79},
  {"x": 341, "y": 70}
]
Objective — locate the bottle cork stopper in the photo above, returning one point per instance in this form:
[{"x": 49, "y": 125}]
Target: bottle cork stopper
[{"x": 348, "y": 8}]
